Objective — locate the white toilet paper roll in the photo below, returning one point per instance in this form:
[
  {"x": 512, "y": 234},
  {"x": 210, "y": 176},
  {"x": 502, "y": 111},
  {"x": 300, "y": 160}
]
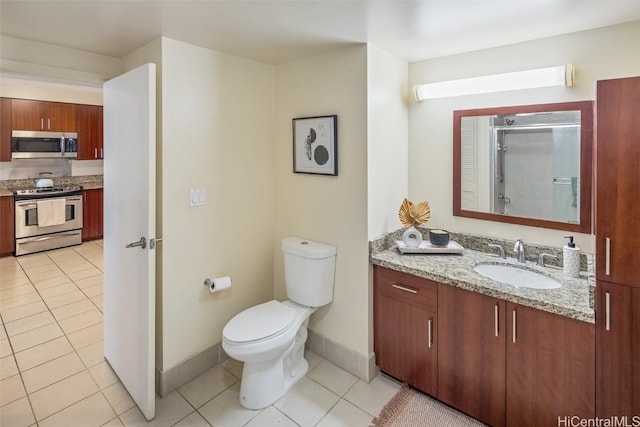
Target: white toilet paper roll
[{"x": 219, "y": 284}]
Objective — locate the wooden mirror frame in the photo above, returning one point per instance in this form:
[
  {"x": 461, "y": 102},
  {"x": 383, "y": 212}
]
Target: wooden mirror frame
[{"x": 586, "y": 165}]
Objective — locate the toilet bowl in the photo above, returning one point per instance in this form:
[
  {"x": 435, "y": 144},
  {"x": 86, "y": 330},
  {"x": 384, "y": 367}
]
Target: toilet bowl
[{"x": 269, "y": 338}]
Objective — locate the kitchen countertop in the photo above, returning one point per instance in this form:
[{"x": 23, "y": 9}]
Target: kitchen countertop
[
  {"x": 574, "y": 299},
  {"x": 88, "y": 182}
]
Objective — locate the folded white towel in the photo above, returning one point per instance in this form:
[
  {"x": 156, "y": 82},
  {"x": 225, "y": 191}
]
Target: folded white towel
[{"x": 51, "y": 212}]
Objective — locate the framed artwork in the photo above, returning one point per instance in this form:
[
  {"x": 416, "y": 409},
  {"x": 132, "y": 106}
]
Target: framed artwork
[{"x": 315, "y": 145}]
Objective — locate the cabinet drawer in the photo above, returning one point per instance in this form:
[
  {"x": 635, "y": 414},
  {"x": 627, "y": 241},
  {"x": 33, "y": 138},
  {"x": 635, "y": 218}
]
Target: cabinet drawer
[{"x": 406, "y": 288}]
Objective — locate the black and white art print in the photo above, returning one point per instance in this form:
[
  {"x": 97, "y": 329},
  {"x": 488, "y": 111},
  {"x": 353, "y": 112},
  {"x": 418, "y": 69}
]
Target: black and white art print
[{"x": 315, "y": 145}]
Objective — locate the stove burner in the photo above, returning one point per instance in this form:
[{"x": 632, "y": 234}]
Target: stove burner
[{"x": 40, "y": 193}]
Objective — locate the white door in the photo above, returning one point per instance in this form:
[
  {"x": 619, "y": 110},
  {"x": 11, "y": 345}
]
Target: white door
[{"x": 129, "y": 217}]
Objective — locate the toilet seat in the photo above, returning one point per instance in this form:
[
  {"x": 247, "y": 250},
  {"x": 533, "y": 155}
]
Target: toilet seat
[{"x": 259, "y": 322}]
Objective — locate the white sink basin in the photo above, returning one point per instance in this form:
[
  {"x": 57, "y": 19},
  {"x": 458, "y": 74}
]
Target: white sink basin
[{"x": 515, "y": 276}]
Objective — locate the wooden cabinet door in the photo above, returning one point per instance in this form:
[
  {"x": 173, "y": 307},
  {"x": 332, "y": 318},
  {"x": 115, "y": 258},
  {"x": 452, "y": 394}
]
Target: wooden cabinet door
[
  {"x": 617, "y": 183},
  {"x": 60, "y": 117},
  {"x": 27, "y": 114},
  {"x": 90, "y": 132},
  {"x": 5, "y": 129},
  {"x": 7, "y": 225},
  {"x": 617, "y": 350},
  {"x": 550, "y": 367},
  {"x": 92, "y": 214},
  {"x": 405, "y": 337},
  {"x": 471, "y": 353}
]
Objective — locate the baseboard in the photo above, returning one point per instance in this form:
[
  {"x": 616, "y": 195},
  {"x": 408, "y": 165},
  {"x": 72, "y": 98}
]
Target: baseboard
[
  {"x": 173, "y": 378},
  {"x": 362, "y": 367}
]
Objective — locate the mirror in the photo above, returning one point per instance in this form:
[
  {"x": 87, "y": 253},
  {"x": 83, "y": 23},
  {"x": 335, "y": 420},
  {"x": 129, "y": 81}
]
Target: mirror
[{"x": 528, "y": 165}]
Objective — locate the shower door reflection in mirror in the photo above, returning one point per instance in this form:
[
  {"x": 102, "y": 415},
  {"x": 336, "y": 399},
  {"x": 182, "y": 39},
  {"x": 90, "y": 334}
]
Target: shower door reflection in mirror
[{"x": 525, "y": 165}]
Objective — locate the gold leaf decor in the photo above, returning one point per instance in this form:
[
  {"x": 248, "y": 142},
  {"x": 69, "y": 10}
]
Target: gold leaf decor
[{"x": 414, "y": 214}]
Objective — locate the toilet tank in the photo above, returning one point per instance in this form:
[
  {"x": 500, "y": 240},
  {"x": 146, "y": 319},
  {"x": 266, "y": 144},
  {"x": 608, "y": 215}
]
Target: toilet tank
[{"x": 309, "y": 271}]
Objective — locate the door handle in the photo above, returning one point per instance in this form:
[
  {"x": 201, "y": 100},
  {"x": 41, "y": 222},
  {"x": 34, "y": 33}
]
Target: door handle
[
  {"x": 607, "y": 256},
  {"x": 607, "y": 311},
  {"x": 142, "y": 244},
  {"x": 404, "y": 288}
]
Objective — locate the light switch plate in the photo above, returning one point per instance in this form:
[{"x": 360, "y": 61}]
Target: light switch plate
[{"x": 197, "y": 197}]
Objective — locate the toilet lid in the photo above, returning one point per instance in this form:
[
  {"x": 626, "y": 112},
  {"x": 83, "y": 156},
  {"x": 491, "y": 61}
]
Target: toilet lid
[{"x": 258, "y": 322}]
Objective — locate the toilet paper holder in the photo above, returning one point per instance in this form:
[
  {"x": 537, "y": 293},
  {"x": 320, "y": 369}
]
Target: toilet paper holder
[{"x": 218, "y": 284}]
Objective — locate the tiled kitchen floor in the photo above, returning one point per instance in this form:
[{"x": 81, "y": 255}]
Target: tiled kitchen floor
[{"x": 53, "y": 373}]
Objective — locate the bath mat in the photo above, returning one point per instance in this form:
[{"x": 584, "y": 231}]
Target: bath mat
[{"x": 410, "y": 408}]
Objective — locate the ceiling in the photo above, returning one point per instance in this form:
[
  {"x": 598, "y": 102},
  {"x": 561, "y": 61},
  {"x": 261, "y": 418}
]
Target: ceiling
[{"x": 273, "y": 32}]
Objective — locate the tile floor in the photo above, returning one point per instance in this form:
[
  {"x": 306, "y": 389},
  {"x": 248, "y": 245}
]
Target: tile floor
[{"x": 52, "y": 370}]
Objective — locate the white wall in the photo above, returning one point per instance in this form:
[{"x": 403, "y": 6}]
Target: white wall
[
  {"x": 41, "y": 60},
  {"x": 330, "y": 209},
  {"x": 387, "y": 134},
  {"x": 217, "y": 133},
  {"x": 596, "y": 54}
]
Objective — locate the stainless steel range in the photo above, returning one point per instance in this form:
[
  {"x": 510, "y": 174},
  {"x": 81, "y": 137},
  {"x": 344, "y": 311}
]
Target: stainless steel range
[{"x": 48, "y": 218}]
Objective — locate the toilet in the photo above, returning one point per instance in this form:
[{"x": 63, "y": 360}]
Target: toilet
[{"x": 269, "y": 338}]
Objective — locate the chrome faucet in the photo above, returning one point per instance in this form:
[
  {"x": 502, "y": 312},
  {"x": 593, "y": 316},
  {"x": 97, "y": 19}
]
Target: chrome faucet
[
  {"x": 500, "y": 248},
  {"x": 519, "y": 249},
  {"x": 542, "y": 256}
]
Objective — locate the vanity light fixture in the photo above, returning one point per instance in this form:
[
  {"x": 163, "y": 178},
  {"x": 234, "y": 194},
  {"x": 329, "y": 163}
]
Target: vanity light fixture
[{"x": 562, "y": 75}]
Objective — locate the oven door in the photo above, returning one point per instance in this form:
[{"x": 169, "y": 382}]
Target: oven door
[{"x": 27, "y": 217}]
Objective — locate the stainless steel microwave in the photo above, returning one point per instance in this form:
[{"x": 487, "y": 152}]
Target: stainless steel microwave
[{"x": 33, "y": 144}]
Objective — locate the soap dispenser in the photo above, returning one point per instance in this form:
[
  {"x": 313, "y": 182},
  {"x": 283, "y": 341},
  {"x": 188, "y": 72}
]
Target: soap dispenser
[{"x": 571, "y": 258}]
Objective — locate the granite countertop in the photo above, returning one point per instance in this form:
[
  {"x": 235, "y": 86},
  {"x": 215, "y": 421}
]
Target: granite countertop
[
  {"x": 574, "y": 299},
  {"x": 88, "y": 182}
]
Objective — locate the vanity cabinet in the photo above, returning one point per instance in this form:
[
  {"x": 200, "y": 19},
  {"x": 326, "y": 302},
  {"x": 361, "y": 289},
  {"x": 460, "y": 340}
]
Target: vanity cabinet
[
  {"x": 405, "y": 329},
  {"x": 617, "y": 183},
  {"x": 5, "y": 129},
  {"x": 550, "y": 367},
  {"x": 471, "y": 353},
  {"x": 617, "y": 350},
  {"x": 90, "y": 132},
  {"x": 500, "y": 362},
  {"x": 92, "y": 214},
  {"x": 7, "y": 226},
  {"x": 47, "y": 116}
]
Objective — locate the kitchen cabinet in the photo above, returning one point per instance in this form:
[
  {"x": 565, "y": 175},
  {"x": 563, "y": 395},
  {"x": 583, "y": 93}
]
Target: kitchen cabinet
[
  {"x": 405, "y": 328},
  {"x": 5, "y": 129},
  {"x": 33, "y": 115},
  {"x": 617, "y": 350},
  {"x": 90, "y": 128},
  {"x": 7, "y": 226},
  {"x": 550, "y": 367},
  {"x": 471, "y": 353},
  {"x": 617, "y": 183},
  {"x": 92, "y": 214}
]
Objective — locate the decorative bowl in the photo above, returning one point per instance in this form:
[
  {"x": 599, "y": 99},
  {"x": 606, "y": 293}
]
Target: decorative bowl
[{"x": 439, "y": 237}]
